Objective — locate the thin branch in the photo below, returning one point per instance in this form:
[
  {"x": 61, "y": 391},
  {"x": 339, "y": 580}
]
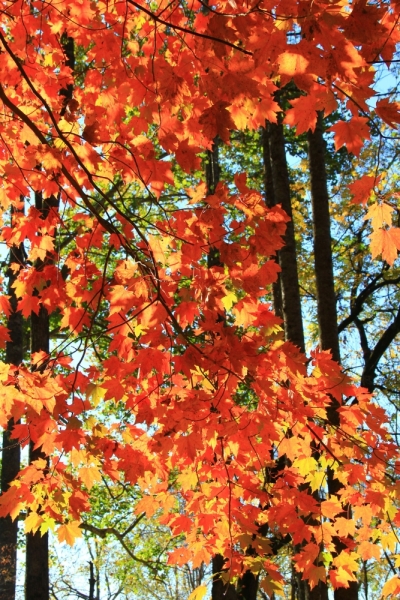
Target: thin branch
[{"x": 185, "y": 30}]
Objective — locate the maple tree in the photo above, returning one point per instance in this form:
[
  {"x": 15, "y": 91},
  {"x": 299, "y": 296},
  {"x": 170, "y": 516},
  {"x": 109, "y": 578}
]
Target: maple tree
[{"x": 210, "y": 390}]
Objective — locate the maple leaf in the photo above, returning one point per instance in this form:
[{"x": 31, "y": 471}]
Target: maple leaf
[
  {"x": 89, "y": 476},
  {"x": 217, "y": 121},
  {"x": 303, "y": 114},
  {"x": 69, "y": 532},
  {"x": 345, "y": 527},
  {"x": 29, "y": 304},
  {"x": 49, "y": 158},
  {"x": 368, "y": 550},
  {"x": 380, "y": 214},
  {"x": 385, "y": 242},
  {"x": 187, "y": 156},
  {"x": 362, "y": 188},
  {"x": 198, "y": 593},
  {"x": 33, "y": 522},
  {"x": 389, "y": 112},
  {"x": 4, "y": 336},
  {"x": 148, "y": 505},
  {"x": 292, "y": 64},
  {"x": 229, "y": 300},
  {"x": 391, "y": 587},
  {"x": 351, "y": 134},
  {"x": 341, "y": 577},
  {"x": 179, "y": 557},
  {"x": 330, "y": 508},
  {"x": 120, "y": 299},
  {"x": 95, "y": 393},
  {"x": 5, "y": 307},
  {"x": 315, "y": 575}
]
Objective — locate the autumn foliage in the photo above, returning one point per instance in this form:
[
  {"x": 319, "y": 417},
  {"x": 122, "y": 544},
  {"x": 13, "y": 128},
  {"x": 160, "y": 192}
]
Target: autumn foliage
[{"x": 191, "y": 358}]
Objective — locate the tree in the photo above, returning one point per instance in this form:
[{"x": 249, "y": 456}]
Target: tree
[
  {"x": 133, "y": 287},
  {"x": 11, "y": 451}
]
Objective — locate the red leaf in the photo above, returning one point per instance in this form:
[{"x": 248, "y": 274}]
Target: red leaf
[{"x": 351, "y": 134}]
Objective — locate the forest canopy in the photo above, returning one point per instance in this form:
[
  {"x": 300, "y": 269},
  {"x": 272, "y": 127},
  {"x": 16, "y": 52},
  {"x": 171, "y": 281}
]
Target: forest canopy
[{"x": 200, "y": 296}]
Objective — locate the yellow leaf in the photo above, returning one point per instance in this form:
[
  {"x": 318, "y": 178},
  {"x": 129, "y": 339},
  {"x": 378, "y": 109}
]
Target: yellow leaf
[
  {"x": 139, "y": 329},
  {"x": 48, "y": 60},
  {"x": 187, "y": 479},
  {"x": 32, "y": 522},
  {"x": 391, "y": 587},
  {"x": 89, "y": 476},
  {"x": 348, "y": 560},
  {"x": 69, "y": 532},
  {"x": 48, "y": 523},
  {"x": 379, "y": 214},
  {"x": 198, "y": 593},
  {"x": 389, "y": 541},
  {"x": 292, "y": 63},
  {"x": 229, "y": 300},
  {"x": 95, "y": 393},
  {"x": 316, "y": 480},
  {"x": 305, "y": 466}
]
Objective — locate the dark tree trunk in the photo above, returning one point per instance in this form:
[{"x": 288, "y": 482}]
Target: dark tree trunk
[
  {"x": 326, "y": 299},
  {"x": 221, "y": 591},
  {"x": 270, "y": 202},
  {"x": 291, "y": 303},
  {"x": 37, "y": 561},
  {"x": 37, "y": 545},
  {"x": 286, "y": 292},
  {"x": 326, "y": 304},
  {"x": 11, "y": 449},
  {"x": 92, "y": 581}
]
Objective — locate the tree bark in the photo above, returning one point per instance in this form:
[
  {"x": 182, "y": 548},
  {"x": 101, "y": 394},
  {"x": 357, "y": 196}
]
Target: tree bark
[
  {"x": 326, "y": 306},
  {"x": 37, "y": 545},
  {"x": 271, "y": 202},
  {"x": 326, "y": 299},
  {"x": 11, "y": 449},
  {"x": 291, "y": 303}
]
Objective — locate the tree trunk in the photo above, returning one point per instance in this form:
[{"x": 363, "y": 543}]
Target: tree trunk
[
  {"x": 271, "y": 202},
  {"x": 37, "y": 545},
  {"x": 11, "y": 449},
  {"x": 291, "y": 303},
  {"x": 286, "y": 293},
  {"x": 326, "y": 299},
  {"x": 326, "y": 302}
]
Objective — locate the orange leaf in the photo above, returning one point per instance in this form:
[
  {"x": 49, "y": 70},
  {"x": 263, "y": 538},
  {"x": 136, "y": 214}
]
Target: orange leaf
[
  {"x": 369, "y": 550},
  {"x": 303, "y": 114},
  {"x": 217, "y": 121},
  {"x": 385, "y": 242},
  {"x": 379, "y": 214},
  {"x": 69, "y": 532},
  {"x": 330, "y": 508},
  {"x": 391, "y": 587},
  {"x": 388, "y": 112},
  {"x": 362, "y": 188},
  {"x": 89, "y": 476},
  {"x": 351, "y": 134}
]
